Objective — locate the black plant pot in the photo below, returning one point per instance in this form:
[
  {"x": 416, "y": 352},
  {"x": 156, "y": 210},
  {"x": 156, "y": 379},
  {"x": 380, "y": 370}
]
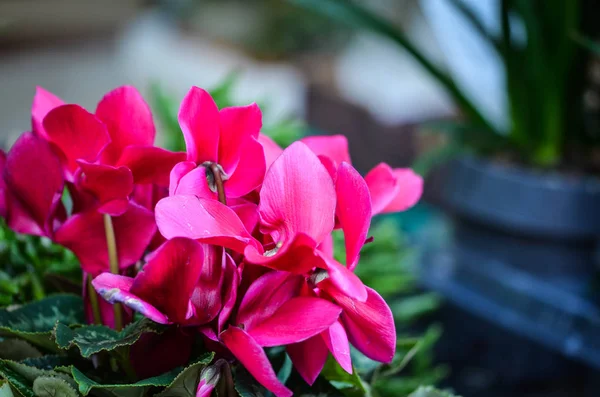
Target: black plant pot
[{"x": 518, "y": 250}]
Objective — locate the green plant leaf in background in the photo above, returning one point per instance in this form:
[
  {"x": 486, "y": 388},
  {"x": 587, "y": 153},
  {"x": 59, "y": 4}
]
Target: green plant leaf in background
[
  {"x": 35, "y": 321},
  {"x": 22, "y": 377},
  {"x": 93, "y": 339},
  {"x": 351, "y": 385},
  {"x": 49, "y": 386},
  {"x": 431, "y": 392},
  {"x": 184, "y": 385}
]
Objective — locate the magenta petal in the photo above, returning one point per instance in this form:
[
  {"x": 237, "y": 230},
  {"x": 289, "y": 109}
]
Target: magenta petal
[
  {"x": 77, "y": 133},
  {"x": 205, "y": 220},
  {"x": 344, "y": 279},
  {"x": 353, "y": 210},
  {"x": 199, "y": 121},
  {"x": 128, "y": 120},
  {"x": 336, "y": 339},
  {"x": 107, "y": 184},
  {"x": 265, "y": 296},
  {"x": 335, "y": 147},
  {"x": 298, "y": 195},
  {"x": 178, "y": 172},
  {"x": 194, "y": 183},
  {"x": 370, "y": 324},
  {"x": 150, "y": 164},
  {"x": 168, "y": 280},
  {"x": 43, "y": 102},
  {"x": 254, "y": 359},
  {"x": 207, "y": 296},
  {"x": 248, "y": 214},
  {"x": 283, "y": 327},
  {"x": 237, "y": 125},
  {"x": 270, "y": 148},
  {"x": 3, "y": 193},
  {"x": 393, "y": 190},
  {"x": 309, "y": 357},
  {"x": 250, "y": 170},
  {"x": 114, "y": 288},
  {"x": 231, "y": 282},
  {"x": 84, "y": 234},
  {"x": 326, "y": 247},
  {"x": 34, "y": 185}
]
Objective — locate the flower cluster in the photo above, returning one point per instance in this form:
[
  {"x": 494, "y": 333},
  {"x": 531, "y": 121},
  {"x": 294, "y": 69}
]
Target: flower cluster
[{"x": 243, "y": 255}]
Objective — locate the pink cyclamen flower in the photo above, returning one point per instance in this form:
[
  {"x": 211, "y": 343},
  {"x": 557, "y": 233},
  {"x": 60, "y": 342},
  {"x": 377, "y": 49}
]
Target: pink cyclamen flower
[
  {"x": 182, "y": 283},
  {"x": 226, "y": 138},
  {"x": 269, "y": 315}
]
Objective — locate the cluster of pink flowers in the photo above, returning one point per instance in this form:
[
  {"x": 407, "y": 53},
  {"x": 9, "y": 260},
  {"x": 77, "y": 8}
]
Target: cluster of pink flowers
[{"x": 239, "y": 230}]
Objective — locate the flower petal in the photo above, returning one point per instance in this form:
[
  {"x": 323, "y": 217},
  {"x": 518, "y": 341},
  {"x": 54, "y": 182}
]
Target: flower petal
[
  {"x": 250, "y": 171},
  {"x": 193, "y": 182},
  {"x": 84, "y": 234},
  {"x": 254, "y": 359},
  {"x": 168, "y": 280},
  {"x": 43, "y": 102},
  {"x": 248, "y": 214},
  {"x": 77, "y": 133},
  {"x": 150, "y": 164},
  {"x": 199, "y": 121},
  {"x": 231, "y": 283},
  {"x": 333, "y": 146},
  {"x": 344, "y": 279},
  {"x": 298, "y": 195},
  {"x": 370, "y": 324},
  {"x": 270, "y": 148},
  {"x": 283, "y": 327},
  {"x": 108, "y": 184},
  {"x": 207, "y": 295},
  {"x": 336, "y": 339},
  {"x": 265, "y": 296},
  {"x": 115, "y": 288},
  {"x": 309, "y": 357},
  {"x": 393, "y": 190},
  {"x": 353, "y": 210},
  {"x": 237, "y": 125},
  {"x": 34, "y": 185},
  {"x": 205, "y": 220},
  {"x": 128, "y": 120}
]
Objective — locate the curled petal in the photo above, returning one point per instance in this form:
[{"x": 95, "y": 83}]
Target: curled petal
[
  {"x": 353, "y": 210},
  {"x": 207, "y": 296},
  {"x": 43, "y": 102},
  {"x": 344, "y": 279},
  {"x": 34, "y": 185},
  {"x": 393, "y": 190},
  {"x": 169, "y": 278},
  {"x": 179, "y": 171},
  {"x": 77, "y": 133},
  {"x": 110, "y": 185},
  {"x": 115, "y": 288},
  {"x": 250, "y": 170},
  {"x": 254, "y": 359},
  {"x": 297, "y": 256},
  {"x": 309, "y": 357},
  {"x": 231, "y": 283},
  {"x": 194, "y": 183},
  {"x": 84, "y": 234},
  {"x": 283, "y": 327},
  {"x": 237, "y": 125},
  {"x": 205, "y": 220},
  {"x": 248, "y": 214},
  {"x": 128, "y": 120},
  {"x": 150, "y": 164},
  {"x": 336, "y": 339},
  {"x": 298, "y": 195},
  {"x": 265, "y": 296},
  {"x": 334, "y": 147},
  {"x": 370, "y": 324},
  {"x": 199, "y": 121}
]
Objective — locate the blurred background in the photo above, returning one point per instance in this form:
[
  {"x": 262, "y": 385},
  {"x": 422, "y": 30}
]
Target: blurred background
[{"x": 495, "y": 102}]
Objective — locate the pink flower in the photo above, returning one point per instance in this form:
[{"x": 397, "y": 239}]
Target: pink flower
[
  {"x": 225, "y": 138},
  {"x": 269, "y": 315},
  {"x": 182, "y": 283}
]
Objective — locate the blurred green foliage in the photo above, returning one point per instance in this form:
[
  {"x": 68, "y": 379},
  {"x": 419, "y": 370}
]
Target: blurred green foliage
[{"x": 546, "y": 78}]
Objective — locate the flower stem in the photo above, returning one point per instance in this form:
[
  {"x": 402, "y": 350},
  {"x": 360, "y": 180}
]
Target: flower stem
[
  {"x": 93, "y": 295},
  {"x": 214, "y": 168},
  {"x": 113, "y": 259}
]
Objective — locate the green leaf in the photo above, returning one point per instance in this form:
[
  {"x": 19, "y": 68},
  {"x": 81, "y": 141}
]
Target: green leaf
[
  {"x": 5, "y": 390},
  {"x": 92, "y": 339},
  {"x": 22, "y": 376},
  {"x": 286, "y": 369},
  {"x": 48, "y": 386},
  {"x": 17, "y": 350},
  {"x": 246, "y": 385},
  {"x": 35, "y": 321},
  {"x": 351, "y": 385},
  {"x": 185, "y": 384},
  {"x": 431, "y": 392}
]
